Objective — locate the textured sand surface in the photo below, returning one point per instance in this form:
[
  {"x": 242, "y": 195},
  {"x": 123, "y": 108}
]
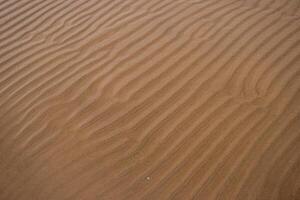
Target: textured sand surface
[{"x": 149, "y": 99}]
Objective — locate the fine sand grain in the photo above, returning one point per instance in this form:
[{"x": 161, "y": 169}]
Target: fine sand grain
[{"x": 149, "y": 99}]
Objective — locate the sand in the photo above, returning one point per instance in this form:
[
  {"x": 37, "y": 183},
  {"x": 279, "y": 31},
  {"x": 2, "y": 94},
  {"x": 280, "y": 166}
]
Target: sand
[{"x": 150, "y": 99}]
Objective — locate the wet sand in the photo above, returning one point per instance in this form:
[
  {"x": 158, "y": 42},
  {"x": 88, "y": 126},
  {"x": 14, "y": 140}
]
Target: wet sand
[{"x": 150, "y": 99}]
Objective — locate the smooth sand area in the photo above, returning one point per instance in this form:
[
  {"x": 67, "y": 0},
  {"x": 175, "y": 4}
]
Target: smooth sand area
[{"x": 149, "y": 99}]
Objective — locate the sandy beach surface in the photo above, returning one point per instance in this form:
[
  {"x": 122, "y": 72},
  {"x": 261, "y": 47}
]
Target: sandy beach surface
[{"x": 149, "y": 99}]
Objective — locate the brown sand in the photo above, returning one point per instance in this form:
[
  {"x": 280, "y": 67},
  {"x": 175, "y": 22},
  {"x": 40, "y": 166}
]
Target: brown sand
[{"x": 149, "y": 99}]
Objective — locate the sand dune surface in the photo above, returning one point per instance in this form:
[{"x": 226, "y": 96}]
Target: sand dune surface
[{"x": 150, "y": 100}]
